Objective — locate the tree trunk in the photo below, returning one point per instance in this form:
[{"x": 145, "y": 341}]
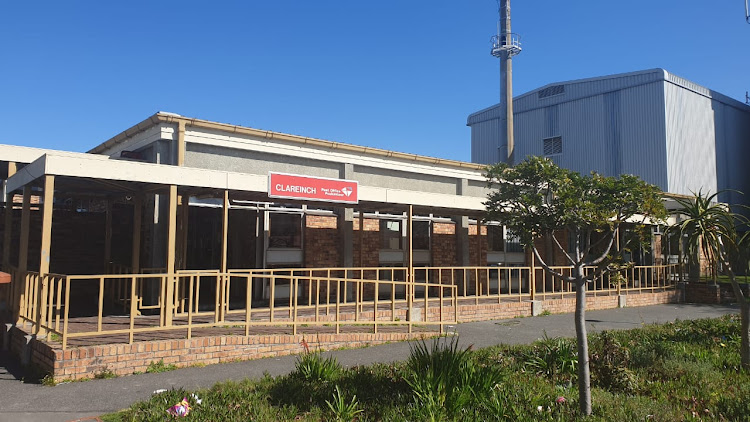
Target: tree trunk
[
  {"x": 584, "y": 375},
  {"x": 744, "y": 314},
  {"x": 745, "y": 333}
]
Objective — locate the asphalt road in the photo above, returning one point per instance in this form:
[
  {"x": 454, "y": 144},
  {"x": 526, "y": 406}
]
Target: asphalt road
[{"x": 79, "y": 400}]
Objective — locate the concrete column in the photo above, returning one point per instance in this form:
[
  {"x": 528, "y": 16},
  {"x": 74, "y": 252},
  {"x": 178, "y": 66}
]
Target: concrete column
[
  {"x": 181, "y": 143},
  {"x": 462, "y": 228},
  {"x": 346, "y": 223}
]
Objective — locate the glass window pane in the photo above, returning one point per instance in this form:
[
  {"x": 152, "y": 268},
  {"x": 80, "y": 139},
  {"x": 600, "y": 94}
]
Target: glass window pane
[
  {"x": 390, "y": 234},
  {"x": 285, "y": 231}
]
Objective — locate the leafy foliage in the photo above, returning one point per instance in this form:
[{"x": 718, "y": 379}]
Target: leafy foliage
[
  {"x": 444, "y": 379},
  {"x": 714, "y": 227},
  {"x": 343, "y": 410},
  {"x": 536, "y": 198},
  {"x": 311, "y": 366},
  {"x": 555, "y": 358},
  {"x": 694, "y": 374}
]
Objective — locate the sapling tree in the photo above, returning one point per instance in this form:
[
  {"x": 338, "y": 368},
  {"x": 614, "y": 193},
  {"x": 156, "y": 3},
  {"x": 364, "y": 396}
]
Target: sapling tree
[
  {"x": 711, "y": 228},
  {"x": 537, "y": 199}
]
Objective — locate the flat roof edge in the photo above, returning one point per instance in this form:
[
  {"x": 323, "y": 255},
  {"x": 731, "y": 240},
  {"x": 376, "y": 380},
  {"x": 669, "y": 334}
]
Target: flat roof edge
[{"x": 171, "y": 118}]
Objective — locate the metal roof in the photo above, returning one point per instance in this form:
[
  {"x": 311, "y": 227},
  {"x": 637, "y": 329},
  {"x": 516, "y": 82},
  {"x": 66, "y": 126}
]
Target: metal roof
[{"x": 582, "y": 88}]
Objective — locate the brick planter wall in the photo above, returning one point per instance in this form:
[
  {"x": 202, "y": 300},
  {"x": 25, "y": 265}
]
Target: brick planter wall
[
  {"x": 712, "y": 293},
  {"x": 124, "y": 359}
]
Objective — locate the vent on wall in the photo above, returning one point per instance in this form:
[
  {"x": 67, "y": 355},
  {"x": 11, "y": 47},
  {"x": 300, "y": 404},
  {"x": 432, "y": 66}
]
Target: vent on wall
[
  {"x": 553, "y": 90},
  {"x": 553, "y": 146}
]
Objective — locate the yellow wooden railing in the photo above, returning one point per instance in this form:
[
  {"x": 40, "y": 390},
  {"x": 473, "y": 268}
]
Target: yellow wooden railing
[{"x": 368, "y": 298}]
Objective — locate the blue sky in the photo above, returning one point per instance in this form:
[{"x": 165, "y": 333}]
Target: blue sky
[{"x": 400, "y": 75}]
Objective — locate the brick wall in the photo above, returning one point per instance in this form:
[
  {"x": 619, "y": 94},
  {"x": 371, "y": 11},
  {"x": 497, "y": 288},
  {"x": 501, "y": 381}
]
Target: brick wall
[
  {"x": 477, "y": 253},
  {"x": 367, "y": 254},
  {"x": 477, "y": 257},
  {"x": 321, "y": 241},
  {"x": 556, "y": 257},
  {"x": 712, "y": 293},
  {"x": 444, "y": 248},
  {"x": 125, "y": 359}
]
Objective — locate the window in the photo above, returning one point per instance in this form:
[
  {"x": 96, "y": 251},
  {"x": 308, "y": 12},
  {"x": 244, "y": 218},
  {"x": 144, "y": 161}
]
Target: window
[
  {"x": 421, "y": 235},
  {"x": 390, "y": 234},
  {"x": 513, "y": 244},
  {"x": 553, "y": 146},
  {"x": 495, "y": 241},
  {"x": 551, "y": 91},
  {"x": 285, "y": 231}
]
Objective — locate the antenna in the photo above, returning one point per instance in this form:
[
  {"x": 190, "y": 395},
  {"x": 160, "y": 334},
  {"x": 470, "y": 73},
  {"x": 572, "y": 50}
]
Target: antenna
[
  {"x": 505, "y": 45},
  {"x": 747, "y": 13}
]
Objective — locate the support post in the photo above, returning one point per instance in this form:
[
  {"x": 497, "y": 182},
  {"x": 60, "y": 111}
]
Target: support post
[
  {"x": 44, "y": 259},
  {"x": 184, "y": 216},
  {"x": 107, "y": 237},
  {"x": 410, "y": 231},
  {"x": 361, "y": 237},
  {"x": 224, "y": 243},
  {"x": 8, "y": 227},
  {"x": 171, "y": 243},
  {"x": 532, "y": 276},
  {"x": 135, "y": 260},
  {"x": 7, "y": 238},
  {"x": 23, "y": 250}
]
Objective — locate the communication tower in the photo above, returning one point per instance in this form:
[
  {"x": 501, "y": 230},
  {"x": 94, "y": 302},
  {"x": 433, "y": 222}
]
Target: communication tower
[{"x": 505, "y": 45}]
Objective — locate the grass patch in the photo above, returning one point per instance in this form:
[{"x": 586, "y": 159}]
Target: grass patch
[
  {"x": 688, "y": 370},
  {"x": 160, "y": 366},
  {"x": 105, "y": 374}
]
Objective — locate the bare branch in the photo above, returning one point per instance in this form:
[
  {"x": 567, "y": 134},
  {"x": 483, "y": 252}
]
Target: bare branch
[
  {"x": 549, "y": 269},
  {"x": 565, "y": 253},
  {"x": 604, "y": 254}
]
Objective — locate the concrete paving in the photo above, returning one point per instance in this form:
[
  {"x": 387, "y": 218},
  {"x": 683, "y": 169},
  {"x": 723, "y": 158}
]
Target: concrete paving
[{"x": 78, "y": 400}]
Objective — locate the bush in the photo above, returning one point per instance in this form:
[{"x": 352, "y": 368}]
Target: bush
[
  {"x": 445, "y": 379},
  {"x": 555, "y": 358},
  {"x": 311, "y": 366},
  {"x": 609, "y": 364}
]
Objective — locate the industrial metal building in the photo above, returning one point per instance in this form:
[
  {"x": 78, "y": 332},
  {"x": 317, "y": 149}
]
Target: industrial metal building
[{"x": 669, "y": 131}]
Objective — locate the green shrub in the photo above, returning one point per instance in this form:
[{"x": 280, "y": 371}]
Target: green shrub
[
  {"x": 609, "y": 364},
  {"x": 445, "y": 379},
  {"x": 311, "y": 366},
  {"x": 343, "y": 410},
  {"x": 555, "y": 358}
]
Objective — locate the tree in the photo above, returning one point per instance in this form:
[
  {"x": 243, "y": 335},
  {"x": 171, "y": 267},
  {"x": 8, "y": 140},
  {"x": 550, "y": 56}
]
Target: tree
[
  {"x": 536, "y": 199},
  {"x": 711, "y": 228}
]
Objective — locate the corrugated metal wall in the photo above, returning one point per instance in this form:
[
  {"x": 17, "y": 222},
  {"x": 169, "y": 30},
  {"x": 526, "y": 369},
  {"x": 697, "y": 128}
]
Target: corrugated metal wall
[
  {"x": 691, "y": 141},
  {"x": 669, "y": 131},
  {"x": 611, "y": 133},
  {"x": 732, "y": 134}
]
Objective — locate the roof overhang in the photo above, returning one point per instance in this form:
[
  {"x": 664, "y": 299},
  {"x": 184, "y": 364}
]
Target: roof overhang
[{"x": 135, "y": 174}]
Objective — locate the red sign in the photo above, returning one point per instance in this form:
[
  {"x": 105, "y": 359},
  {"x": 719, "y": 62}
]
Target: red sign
[{"x": 291, "y": 186}]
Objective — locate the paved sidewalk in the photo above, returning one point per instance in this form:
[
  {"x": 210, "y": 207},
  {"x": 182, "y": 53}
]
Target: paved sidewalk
[{"x": 29, "y": 402}]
